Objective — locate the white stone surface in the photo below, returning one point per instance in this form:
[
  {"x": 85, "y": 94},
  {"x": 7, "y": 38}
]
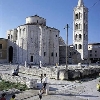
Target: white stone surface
[
  {"x": 80, "y": 32},
  {"x": 34, "y": 42}
]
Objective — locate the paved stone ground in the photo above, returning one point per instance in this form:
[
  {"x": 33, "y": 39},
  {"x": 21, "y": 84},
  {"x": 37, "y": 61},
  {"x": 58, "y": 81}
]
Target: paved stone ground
[
  {"x": 33, "y": 95},
  {"x": 70, "y": 90}
]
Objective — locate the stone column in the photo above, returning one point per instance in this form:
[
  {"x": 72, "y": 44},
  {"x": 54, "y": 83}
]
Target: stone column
[{"x": 47, "y": 88}]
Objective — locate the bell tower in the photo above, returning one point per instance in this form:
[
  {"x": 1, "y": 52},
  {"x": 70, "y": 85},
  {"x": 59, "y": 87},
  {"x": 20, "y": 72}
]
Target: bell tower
[{"x": 80, "y": 29}]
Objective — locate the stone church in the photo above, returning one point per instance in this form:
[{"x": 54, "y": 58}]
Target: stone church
[{"x": 33, "y": 42}]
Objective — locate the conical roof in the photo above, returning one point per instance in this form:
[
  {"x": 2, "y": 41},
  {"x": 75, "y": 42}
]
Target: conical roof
[{"x": 80, "y": 3}]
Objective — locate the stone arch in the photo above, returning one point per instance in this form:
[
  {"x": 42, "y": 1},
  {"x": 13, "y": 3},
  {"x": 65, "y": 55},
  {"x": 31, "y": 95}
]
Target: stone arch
[
  {"x": 76, "y": 16},
  {"x": 75, "y": 36},
  {"x": 79, "y": 46},
  {"x": 76, "y": 26},
  {"x": 80, "y": 36}
]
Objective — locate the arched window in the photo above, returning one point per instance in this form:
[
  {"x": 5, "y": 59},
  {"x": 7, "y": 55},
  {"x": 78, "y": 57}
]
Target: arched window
[
  {"x": 8, "y": 36},
  {"x": 23, "y": 29},
  {"x": 11, "y": 36},
  {"x": 76, "y": 26},
  {"x": 80, "y": 36},
  {"x": 75, "y": 36},
  {"x": 75, "y": 46},
  {"x": 79, "y": 26},
  {"x": 76, "y": 16},
  {"x": 79, "y": 46},
  {"x": 20, "y": 32},
  {"x": 79, "y": 15}
]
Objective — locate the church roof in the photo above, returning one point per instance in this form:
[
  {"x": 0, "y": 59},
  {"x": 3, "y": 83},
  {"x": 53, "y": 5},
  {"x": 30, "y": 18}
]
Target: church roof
[
  {"x": 94, "y": 44},
  {"x": 80, "y": 3}
]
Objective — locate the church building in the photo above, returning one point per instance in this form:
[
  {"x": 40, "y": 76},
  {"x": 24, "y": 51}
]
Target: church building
[{"x": 33, "y": 42}]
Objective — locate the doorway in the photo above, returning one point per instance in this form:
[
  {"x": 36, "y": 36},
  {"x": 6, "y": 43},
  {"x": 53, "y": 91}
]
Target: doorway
[{"x": 10, "y": 54}]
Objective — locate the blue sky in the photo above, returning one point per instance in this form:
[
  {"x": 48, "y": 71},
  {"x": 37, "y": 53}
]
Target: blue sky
[{"x": 57, "y": 13}]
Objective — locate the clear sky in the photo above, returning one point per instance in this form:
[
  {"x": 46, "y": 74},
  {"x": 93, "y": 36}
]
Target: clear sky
[{"x": 57, "y": 13}]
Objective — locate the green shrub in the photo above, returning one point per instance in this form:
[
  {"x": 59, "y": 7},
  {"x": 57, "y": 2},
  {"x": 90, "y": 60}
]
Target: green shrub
[{"x": 5, "y": 85}]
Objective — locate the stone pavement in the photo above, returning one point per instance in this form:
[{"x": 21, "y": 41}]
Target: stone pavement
[
  {"x": 33, "y": 95},
  {"x": 25, "y": 95},
  {"x": 60, "y": 90}
]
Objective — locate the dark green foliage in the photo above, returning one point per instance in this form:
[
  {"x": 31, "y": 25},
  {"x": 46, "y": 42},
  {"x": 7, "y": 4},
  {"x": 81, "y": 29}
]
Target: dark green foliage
[{"x": 5, "y": 85}]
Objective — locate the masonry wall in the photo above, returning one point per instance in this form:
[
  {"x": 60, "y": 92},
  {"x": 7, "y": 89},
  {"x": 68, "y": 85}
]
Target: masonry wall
[
  {"x": 35, "y": 43},
  {"x": 3, "y": 51}
]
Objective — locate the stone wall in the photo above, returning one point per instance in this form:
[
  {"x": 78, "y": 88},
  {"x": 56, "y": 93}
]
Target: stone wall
[
  {"x": 83, "y": 72},
  {"x": 50, "y": 72},
  {"x": 35, "y": 43},
  {"x": 31, "y": 83},
  {"x": 54, "y": 73}
]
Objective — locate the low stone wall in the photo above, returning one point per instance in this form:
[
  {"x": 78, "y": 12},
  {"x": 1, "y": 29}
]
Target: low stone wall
[
  {"x": 80, "y": 73},
  {"x": 54, "y": 73},
  {"x": 50, "y": 72},
  {"x": 31, "y": 83}
]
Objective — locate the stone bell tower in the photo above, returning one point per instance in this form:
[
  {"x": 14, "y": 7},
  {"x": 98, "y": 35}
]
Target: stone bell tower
[{"x": 80, "y": 32}]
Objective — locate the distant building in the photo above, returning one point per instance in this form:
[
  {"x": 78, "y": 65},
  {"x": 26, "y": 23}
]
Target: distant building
[
  {"x": 3, "y": 50},
  {"x": 73, "y": 56},
  {"x": 34, "y": 42},
  {"x": 94, "y": 52}
]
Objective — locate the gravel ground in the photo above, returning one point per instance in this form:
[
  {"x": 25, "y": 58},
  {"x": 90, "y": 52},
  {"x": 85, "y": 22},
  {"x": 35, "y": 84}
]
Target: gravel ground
[{"x": 59, "y": 89}]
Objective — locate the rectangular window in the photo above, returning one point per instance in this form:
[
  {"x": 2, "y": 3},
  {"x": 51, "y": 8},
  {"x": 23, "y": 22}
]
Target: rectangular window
[
  {"x": 0, "y": 54},
  {"x": 0, "y": 46},
  {"x": 56, "y": 54},
  {"x": 75, "y": 46},
  {"x": 70, "y": 53},
  {"x": 44, "y": 53},
  {"x": 90, "y": 51},
  {"x": 52, "y": 54},
  {"x": 90, "y": 55},
  {"x": 95, "y": 55},
  {"x": 31, "y": 58}
]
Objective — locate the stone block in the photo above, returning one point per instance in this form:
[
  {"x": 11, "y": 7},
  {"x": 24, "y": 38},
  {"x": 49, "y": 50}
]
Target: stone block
[{"x": 63, "y": 74}]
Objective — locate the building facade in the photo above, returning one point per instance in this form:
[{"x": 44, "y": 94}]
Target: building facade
[
  {"x": 3, "y": 50},
  {"x": 80, "y": 32},
  {"x": 34, "y": 42},
  {"x": 94, "y": 52},
  {"x": 73, "y": 57}
]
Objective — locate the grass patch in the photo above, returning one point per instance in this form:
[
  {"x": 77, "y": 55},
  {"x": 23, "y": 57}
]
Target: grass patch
[{"x": 6, "y": 85}]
